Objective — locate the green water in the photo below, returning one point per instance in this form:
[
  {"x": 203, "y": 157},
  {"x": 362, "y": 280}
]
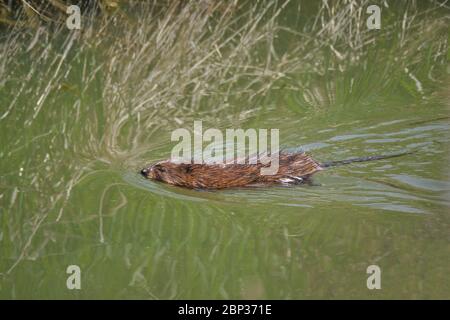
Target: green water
[{"x": 70, "y": 192}]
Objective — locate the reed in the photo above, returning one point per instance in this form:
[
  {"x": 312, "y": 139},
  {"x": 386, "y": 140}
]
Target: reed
[{"x": 75, "y": 104}]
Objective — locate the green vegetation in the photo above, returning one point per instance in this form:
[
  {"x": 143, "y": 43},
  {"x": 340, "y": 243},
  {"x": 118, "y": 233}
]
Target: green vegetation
[{"x": 82, "y": 110}]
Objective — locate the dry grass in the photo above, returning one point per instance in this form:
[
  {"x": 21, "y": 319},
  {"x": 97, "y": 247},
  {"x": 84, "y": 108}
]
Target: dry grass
[{"x": 129, "y": 75}]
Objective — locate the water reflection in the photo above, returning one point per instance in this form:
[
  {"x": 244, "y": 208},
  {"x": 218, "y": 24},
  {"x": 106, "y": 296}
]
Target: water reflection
[
  {"x": 392, "y": 184},
  {"x": 83, "y": 116}
]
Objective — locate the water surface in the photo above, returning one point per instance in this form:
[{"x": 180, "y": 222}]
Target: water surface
[{"x": 70, "y": 191}]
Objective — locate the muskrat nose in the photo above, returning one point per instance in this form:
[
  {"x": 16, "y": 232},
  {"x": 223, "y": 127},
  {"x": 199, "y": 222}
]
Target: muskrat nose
[{"x": 144, "y": 172}]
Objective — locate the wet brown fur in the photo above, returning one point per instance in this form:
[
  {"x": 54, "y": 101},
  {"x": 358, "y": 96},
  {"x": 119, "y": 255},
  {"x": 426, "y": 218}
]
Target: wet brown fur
[{"x": 293, "y": 168}]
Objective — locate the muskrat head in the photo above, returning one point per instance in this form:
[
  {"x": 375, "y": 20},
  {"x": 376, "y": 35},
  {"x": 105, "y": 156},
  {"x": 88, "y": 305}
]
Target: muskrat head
[
  {"x": 155, "y": 171},
  {"x": 160, "y": 171}
]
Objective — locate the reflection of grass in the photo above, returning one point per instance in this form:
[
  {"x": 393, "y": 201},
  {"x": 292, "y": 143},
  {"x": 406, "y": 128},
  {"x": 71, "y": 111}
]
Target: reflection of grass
[
  {"x": 178, "y": 60},
  {"x": 75, "y": 101},
  {"x": 346, "y": 63}
]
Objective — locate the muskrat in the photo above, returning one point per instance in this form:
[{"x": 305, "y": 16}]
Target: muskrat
[{"x": 294, "y": 168}]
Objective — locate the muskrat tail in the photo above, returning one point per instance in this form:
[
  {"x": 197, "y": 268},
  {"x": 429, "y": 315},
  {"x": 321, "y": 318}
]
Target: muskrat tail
[{"x": 362, "y": 159}]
